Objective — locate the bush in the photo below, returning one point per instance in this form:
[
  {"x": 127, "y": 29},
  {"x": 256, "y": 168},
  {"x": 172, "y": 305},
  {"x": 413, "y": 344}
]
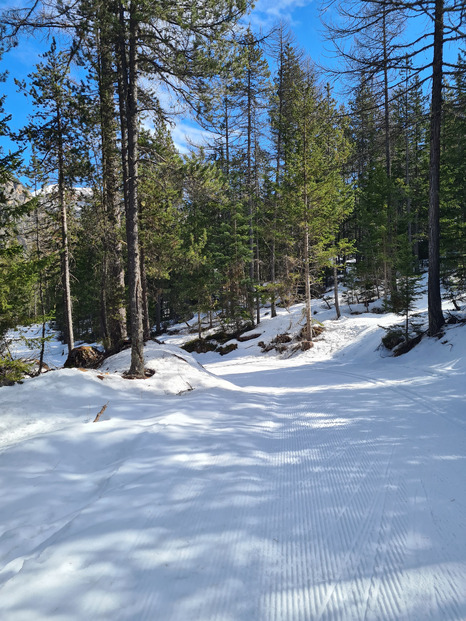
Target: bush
[
  {"x": 227, "y": 349},
  {"x": 393, "y": 338},
  {"x": 199, "y": 346},
  {"x": 12, "y": 371}
]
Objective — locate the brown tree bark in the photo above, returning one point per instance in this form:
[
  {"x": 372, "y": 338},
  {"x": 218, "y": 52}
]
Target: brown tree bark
[
  {"x": 65, "y": 251},
  {"x": 113, "y": 275},
  {"x": 436, "y": 318},
  {"x": 128, "y": 93}
]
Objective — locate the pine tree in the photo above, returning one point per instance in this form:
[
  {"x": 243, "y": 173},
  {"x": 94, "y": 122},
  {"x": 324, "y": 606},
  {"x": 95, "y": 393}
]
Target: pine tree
[
  {"x": 160, "y": 206},
  {"x": 410, "y": 161},
  {"x": 18, "y": 272},
  {"x": 283, "y": 129},
  {"x": 252, "y": 89},
  {"x": 402, "y": 300},
  {"x": 315, "y": 181},
  {"x": 453, "y": 195},
  {"x": 99, "y": 52},
  {"x": 55, "y": 132},
  {"x": 179, "y": 54}
]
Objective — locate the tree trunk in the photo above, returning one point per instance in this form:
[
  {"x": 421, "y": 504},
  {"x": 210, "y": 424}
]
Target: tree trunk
[
  {"x": 273, "y": 245},
  {"x": 250, "y": 201},
  {"x": 335, "y": 289},
  {"x": 258, "y": 297},
  {"x": 65, "y": 251},
  {"x": 390, "y": 283},
  {"x": 41, "y": 292},
  {"x": 129, "y": 92},
  {"x": 436, "y": 318},
  {"x": 158, "y": 311},
  {"x": 103, "y": 303},
  {"x": 113, "y": 306},
  {"x": 145, "y": 299},
  {"x": 307, "y": 275},
  {"x": 307, "y": 284}
]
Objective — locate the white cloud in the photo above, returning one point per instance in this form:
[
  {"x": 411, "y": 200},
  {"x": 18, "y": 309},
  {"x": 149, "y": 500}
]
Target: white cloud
[
  {"x": 185, "y": 133},
  {"x": 267, "y": 12}
]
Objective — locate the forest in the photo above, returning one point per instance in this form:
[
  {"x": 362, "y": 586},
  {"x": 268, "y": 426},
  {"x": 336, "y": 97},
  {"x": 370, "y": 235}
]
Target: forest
[{"x": 295, "y": 188}]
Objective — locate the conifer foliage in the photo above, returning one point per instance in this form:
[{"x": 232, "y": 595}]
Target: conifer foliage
[{"x": 285, "y": 187}]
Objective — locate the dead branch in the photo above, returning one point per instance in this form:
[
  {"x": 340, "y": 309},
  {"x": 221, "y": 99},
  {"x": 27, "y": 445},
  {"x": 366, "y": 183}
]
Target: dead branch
[{"x": 101, "y": 412}]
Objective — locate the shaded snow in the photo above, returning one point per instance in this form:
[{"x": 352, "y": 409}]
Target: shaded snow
[{"x": 327, "y": 485}]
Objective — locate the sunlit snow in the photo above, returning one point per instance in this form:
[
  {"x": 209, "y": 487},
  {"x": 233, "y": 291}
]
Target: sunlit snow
[{"x": 250, "y": 487}]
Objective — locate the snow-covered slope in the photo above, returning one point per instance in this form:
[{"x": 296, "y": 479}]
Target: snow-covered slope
[{"x": 326, "y": 485}]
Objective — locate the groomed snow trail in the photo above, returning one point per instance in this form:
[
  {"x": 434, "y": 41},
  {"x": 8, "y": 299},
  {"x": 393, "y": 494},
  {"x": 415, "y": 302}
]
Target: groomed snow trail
[{"x": 306, "y": 493}]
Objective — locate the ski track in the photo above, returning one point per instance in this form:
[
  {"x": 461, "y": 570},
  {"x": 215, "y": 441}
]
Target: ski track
[{"x": 306, "y": 510}]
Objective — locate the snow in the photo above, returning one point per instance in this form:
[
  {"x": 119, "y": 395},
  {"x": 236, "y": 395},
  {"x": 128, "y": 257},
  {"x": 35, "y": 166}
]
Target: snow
[{"x": 324, "y": 485}]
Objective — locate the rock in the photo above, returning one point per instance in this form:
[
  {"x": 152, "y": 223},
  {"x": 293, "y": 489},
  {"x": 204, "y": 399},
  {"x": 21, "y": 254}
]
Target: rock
[
  {"x": 249, "y": 337},
  {"x": 227, "y": 349},
  {"x": 407, "y": 346},
  {"x": 282, "y": 338},
  {"x": 199, "y": 346},
  {"x": 85, "y": 356}
]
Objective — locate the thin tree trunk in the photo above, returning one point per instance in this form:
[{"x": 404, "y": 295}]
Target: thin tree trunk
[
  {"x": 103, "y": 303},
  {"x": 307, "y": 284},
  {"x": 407, "y": 161},
  {"x": 65, "y": 252},
  {"x": 227, "y": 141},
  {"x": 145, "y": 299},
  {"x": 257, "y": 261},
  {"x": 335, "y": 289},
  {"x": 258, "y": 297},
  {"x": 250, "y": 201},
  {"x": 307, "y": 275},
  {"x": 389, "y": 284},
  {"x": 273, "y": 247},
  {"x": 41, "y": 293},
  {"x": 436, "y": 318},
  {"x": 158, "y": 311}
]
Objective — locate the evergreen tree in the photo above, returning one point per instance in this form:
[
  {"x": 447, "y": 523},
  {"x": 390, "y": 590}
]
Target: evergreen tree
[
  {"x": 315, "y": 183},
  {"x": 453, "y": 195},
  {"x": 161, "y": 217},
  {"x": 55, "y": 132},
  {"x": 283, "y": 129},
  {"x": 18, "y": 272},
  {"x": 402, "y": 300},
  {"x": 179, "y": 54}
]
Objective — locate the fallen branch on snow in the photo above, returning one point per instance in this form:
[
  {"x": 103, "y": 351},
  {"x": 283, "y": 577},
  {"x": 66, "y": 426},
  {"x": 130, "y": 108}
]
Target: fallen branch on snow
[{"x": 101, "y": 412}]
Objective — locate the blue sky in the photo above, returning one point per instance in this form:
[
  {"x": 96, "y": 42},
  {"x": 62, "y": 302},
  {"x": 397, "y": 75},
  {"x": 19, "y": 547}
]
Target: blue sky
[{"x": 301, "y": 15}]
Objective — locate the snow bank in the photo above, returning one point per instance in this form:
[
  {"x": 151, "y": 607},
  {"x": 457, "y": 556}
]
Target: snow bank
[
  {"x": 66, "y": 396},
  {"x": 328, "y": 485}
]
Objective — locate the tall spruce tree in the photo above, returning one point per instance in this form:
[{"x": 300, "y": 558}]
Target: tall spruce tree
[
  {"x": 55, "y": 132},
  {"x": 315, "y": 183},
  {"x": 253, "y": 91},
  {"x": 446, "y": 20},
  {"x": 172, "y": 45},
  {"x": 283, "y": 132},
  {"x": 453, "y": 197},
  {"x": 167, "y": 42}
]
